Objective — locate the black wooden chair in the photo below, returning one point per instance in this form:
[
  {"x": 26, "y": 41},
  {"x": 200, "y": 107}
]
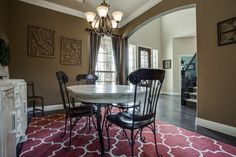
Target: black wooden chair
[
  {"x": 72, "y": 111},
  {"x": 136, "y": 119},
  {"x": 86, "y": 79},
  {"x": 34, "y": 99}
]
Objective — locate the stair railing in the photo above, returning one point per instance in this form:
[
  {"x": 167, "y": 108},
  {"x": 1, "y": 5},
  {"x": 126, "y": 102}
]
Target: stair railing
[{"x": 186, "y": 82}]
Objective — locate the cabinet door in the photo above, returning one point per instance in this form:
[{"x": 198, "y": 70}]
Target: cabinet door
[
  {"x": 9, "y": 139},
  {"x": 1, "y": 124},
  {"x": 24, "y": 107}
]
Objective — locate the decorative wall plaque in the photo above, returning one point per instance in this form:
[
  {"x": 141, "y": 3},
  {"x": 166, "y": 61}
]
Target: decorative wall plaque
[
  {"x": 227, "y": 32},
  {"x": 41, "y": 42},
  {"x": 71, "y": 51}
]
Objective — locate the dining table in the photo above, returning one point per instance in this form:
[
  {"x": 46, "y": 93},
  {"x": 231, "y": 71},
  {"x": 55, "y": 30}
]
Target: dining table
[{"x": 103, "y": 95}]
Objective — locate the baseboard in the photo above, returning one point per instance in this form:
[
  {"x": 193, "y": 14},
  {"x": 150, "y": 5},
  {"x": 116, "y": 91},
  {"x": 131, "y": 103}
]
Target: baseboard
[
  {"x": 226, "y": 129},
  {"x": 169, "y": 93},
  {"x": 50, "y": 107}
]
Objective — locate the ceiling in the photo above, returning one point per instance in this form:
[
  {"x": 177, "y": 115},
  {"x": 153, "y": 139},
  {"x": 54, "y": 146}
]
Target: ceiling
[{"x": 130, "y": 8}]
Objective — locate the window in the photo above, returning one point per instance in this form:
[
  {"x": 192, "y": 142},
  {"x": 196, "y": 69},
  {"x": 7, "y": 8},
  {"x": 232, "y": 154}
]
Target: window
[
  {"x": 154, "y": 59},
  {"x": 143, "y": 57},
  {"x": 105, "y": 68},
  {"x": 132, "y": 58}
]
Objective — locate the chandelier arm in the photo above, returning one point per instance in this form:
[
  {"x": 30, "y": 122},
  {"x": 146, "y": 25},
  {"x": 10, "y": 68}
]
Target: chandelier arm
[
  {"x": 103, "y": 24},
  {"x": 108, "y": 25}
]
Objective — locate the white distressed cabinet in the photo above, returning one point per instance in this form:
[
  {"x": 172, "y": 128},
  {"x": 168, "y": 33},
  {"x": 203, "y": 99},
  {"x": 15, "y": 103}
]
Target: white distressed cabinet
[{"x": 13, "y": 115}]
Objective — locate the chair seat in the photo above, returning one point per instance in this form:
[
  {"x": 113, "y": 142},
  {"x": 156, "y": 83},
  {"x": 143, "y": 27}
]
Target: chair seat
[
  {"x": 85, "y": 110},
  {"x": 124, "y": 120},
  {"x": 30, "y": 98},
  {"x": 123, "y": 105}
]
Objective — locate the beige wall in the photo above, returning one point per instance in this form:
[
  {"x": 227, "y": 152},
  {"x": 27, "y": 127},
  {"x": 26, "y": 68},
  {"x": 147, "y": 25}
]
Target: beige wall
[
  {"x": 216, "y": 64},
  {"x": 160, "y": 34},
  {"x": 37, "y": 69},
  {"x": 149, "y": 36},
  {"x": 4, "y": 17},
  {"x": 181, "y": 46},
  {"x": 178, "y": 24}
]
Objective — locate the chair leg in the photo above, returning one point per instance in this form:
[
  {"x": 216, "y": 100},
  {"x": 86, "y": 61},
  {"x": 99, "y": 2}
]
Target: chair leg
[
  {"x": 155, "y": 139},
  {"x": 107, "y": 125},
  {"x": 132, "y": 143},
  {"x": 104, "y": 116},
  {"x": 70, "y": 131},
  {"x": 33, "y": 108},
  {"x": 94, "y": 123},
  {"x": 42, "y": 106},
  {"x": 89, "y": 123},
  {"x": 65, "y": 126},
  {"x": 141, "y": 136}
]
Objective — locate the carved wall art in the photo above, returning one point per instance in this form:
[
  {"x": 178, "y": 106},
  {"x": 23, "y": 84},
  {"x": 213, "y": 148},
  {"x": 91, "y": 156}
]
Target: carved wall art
[
  {"x": 71, "y": 51},
  {"x": 41, "y": 42}
]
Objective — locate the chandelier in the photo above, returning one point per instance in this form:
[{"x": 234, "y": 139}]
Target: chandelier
[{"x": 103, "y": 24}]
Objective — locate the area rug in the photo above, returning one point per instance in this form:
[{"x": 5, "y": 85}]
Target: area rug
[{"x": 44, "y": 140}]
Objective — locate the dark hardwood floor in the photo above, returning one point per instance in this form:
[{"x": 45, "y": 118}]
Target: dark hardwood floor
[{"x": 171, "y": 111}]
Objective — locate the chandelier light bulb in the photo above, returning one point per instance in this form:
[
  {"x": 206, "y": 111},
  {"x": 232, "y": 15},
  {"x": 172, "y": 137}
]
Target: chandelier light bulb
[
  {"x": 114, "y": 24},
  {"x": 117, "y": 15},
  {"x": 102, "y": 11},
  {"x": 90, "y": 16},
  {"x": 95, "y": 24}
]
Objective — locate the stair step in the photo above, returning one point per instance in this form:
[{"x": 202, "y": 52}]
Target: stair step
[
  {"x": 192, "y": 100},
  {"x": 195, "y": 94}
]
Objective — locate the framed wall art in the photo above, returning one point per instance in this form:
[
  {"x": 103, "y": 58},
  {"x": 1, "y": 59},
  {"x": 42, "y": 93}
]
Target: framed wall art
[
  {"x": 40, "y": 42},
  {"x": 71, "y": 51},
  {"x": 166, "y": 64},
  {"x": 227, "y": 32}
]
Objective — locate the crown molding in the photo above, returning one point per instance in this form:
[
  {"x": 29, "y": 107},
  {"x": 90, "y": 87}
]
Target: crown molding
[
  {"x": 139, "y": 11},
  {"x": 55, "y": 7},
  {"x": 74, "y": 12}
]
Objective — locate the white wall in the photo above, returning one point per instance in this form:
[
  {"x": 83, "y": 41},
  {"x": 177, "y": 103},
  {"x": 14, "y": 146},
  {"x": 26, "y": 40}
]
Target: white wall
[
  {"x": 160, "y": 34},
  {"x": 149, "y": 36},
  {"x": 181, "y": 46},
  {"x": 175, "y": 25}
]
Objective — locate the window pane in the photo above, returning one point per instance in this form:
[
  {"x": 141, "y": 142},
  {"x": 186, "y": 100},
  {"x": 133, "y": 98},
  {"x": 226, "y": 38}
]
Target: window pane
[
  {"x": 105, "y": 68},
  {"x": 154, "y": 59},
  {"x": 132, "y": 58},
  {"x": 144, "y": 59}
]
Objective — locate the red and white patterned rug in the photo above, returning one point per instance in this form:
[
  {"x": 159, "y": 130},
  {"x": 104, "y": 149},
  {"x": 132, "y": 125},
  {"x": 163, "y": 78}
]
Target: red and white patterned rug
[{"x": 44, "y": 141}]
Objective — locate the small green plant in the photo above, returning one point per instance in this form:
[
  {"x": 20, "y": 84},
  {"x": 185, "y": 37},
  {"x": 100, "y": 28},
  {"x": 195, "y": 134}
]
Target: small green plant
[{"x": 4, "y": 53}]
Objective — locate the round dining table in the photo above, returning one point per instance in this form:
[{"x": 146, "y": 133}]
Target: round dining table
[{"x": 104, "y": 94}]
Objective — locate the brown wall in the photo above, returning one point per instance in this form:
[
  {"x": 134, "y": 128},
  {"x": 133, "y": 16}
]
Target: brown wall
[
  {"x": 42, "y": 70},
  {"x": 4, "y": 17},
  {"x": 216, "y": 64}
]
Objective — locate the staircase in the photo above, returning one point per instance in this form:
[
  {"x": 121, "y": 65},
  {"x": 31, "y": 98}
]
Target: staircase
[
  {"x": 189, "y": 83},
  {"x": 191, "y": 97}
]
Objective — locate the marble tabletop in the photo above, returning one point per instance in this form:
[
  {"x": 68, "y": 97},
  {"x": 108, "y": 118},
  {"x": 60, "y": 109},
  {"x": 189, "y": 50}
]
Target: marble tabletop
[{"x": 105, "y": 93}]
